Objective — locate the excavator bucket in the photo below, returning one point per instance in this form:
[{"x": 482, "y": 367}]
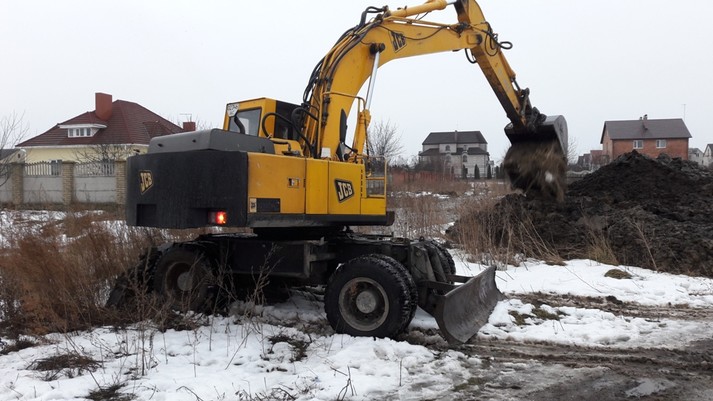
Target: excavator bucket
[
  {"x": 462, "y": 311},
  {"x": 537, "y": 161}
]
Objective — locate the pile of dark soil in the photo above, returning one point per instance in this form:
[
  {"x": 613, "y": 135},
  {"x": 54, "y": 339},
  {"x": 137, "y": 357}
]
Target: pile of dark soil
[{"x": 652, "y": 213}]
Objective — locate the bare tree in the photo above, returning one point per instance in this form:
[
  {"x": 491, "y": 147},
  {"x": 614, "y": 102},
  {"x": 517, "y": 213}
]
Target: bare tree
[
  {"x": 12, "y": 130},
  {"x": 437, "y": 164},
  {"x": 104, "y": 152},
  {"x": 384, "y": 140}
]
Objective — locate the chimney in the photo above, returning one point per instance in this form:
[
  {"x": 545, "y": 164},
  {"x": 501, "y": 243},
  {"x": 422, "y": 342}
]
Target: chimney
[
  {"x": 189, "y": 126},
  {"x": 102, "y": 106}
]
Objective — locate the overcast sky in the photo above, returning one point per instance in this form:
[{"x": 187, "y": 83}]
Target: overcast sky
[{"x": 591, "y": 61}]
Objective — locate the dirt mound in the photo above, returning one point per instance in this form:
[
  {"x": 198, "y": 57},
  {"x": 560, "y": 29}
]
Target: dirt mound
[{"x": 652, "y": 213}]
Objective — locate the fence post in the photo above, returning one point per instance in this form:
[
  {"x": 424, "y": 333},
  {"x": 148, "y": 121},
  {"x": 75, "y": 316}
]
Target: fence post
[
  {"x": 17, "y": 173},
  {"x": 67, "y": 182},
  {"x": 120, "y": 174}
]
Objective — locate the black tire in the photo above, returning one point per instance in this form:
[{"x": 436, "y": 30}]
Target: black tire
[
  {"x": 406, "y": 275},
  {"x": 184, "y": 278},
  {"x": 449, "y": 265},
  {"x": 368, "y": 297}
]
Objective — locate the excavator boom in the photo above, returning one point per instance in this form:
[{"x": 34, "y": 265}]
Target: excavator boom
[{"x": 395, "y": 34}]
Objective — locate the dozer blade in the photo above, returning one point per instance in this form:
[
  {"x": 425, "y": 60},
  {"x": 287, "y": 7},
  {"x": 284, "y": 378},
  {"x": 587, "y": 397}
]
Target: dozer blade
[
  {"x": 461, "y": 312},
  {"x": 537, "y": 160}
]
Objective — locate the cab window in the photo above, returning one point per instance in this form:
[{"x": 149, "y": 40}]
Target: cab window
[{"x": 250, "y": 119}]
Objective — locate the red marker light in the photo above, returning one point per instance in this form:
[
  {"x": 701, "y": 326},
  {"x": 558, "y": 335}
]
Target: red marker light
[{"x": 219, "y": 218}]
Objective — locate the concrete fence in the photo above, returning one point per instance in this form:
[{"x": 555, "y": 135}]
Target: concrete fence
[{"x": 63, "y": 183}]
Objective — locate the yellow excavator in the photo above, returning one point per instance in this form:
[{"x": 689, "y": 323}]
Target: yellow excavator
[{"x": 285, "y": 171}]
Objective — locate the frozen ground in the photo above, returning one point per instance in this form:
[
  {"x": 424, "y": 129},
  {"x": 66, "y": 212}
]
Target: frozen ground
[{"x": 564, "y": 332}]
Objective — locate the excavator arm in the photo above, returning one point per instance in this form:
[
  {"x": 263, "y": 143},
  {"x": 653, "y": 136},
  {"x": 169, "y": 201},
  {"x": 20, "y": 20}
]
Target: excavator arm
[{"x": 393, "y": 34}]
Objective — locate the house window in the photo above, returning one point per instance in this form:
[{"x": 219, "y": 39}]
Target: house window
[
  {"x": 660, "y": 143},
  {"x": 638, "y": 144},
  {"x": 465, "y": 158},
  {"x": 55, "y": 167},
  {"x": 448, "y": 148},
  {"x": 80, "y": 132}
]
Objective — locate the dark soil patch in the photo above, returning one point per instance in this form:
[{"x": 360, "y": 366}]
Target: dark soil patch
[{"x": 651, "y": 213}]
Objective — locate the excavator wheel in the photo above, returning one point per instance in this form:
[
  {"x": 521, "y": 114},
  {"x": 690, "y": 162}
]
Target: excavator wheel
[
  {"x": 368, "y": 296},
  {"x": 537, "y": 168},
  {"x": 184, "y": 278},
  {"x": 406, "y": 275}
]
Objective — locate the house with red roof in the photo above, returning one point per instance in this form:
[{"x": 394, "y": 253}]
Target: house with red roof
[
  {"x": 650, "y": 137},
  {"x": 114, "y": 130}
]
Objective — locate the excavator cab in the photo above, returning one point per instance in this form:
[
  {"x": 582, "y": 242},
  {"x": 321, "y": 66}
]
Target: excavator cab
[{"x": 267, "y": 118}]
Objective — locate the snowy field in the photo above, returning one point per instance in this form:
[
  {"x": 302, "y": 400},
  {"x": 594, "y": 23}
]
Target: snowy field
[{"x": 289, "y": 352}]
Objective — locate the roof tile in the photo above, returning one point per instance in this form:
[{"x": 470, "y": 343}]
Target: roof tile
[
  {"x": 130, "y": 123},
  {"x": 457, "y": 137},
  {"x": 646, "y": 129}
]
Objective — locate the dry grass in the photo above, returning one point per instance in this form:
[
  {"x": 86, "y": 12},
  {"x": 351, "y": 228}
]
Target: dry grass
[
  {"x": 494, "y": 234},
  {"x": 56, "y": 275}
]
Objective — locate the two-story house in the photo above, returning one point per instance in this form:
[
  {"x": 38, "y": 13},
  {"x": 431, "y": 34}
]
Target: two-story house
[
  {"x": 112, "y": 131},
  {"x": 459, "y": 152},
  {"x": 650, "y": 137}
]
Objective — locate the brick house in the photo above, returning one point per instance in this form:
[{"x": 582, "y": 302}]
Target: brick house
[
  {"x": 112, "y": 131},
  {"x": 458, "y": 152},
  {"x": 650, "y": 137}
]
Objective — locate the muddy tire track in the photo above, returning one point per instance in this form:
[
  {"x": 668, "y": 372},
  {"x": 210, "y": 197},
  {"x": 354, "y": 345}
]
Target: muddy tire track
[
  {"x": 516, "y": 370},
  {"x": 617, "y": 307}
]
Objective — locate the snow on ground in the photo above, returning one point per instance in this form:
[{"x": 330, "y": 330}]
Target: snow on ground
[
  {"x": 290, "y": 353},
  {"x": 230, "y": 358},
  {"x": 25, "y": 221},
  {"x": 594, "y": 327}
]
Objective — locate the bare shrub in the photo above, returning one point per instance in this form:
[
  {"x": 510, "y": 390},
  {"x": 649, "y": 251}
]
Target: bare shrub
[
  {"x": 56, "y": 275},
  {"x": 420, "y": 214},
  {"x": 598, "y": 245}
]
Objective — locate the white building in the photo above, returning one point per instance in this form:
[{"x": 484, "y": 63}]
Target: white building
[
  {"x": 708, "y": 155},
  {"x": 458, "y": 152}
]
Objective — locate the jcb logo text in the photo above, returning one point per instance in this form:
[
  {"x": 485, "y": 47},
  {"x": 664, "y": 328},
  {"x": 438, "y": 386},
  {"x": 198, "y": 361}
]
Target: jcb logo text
[
  {"x": 145, "y": 180},
  {"x": 345, "y": 190}
]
